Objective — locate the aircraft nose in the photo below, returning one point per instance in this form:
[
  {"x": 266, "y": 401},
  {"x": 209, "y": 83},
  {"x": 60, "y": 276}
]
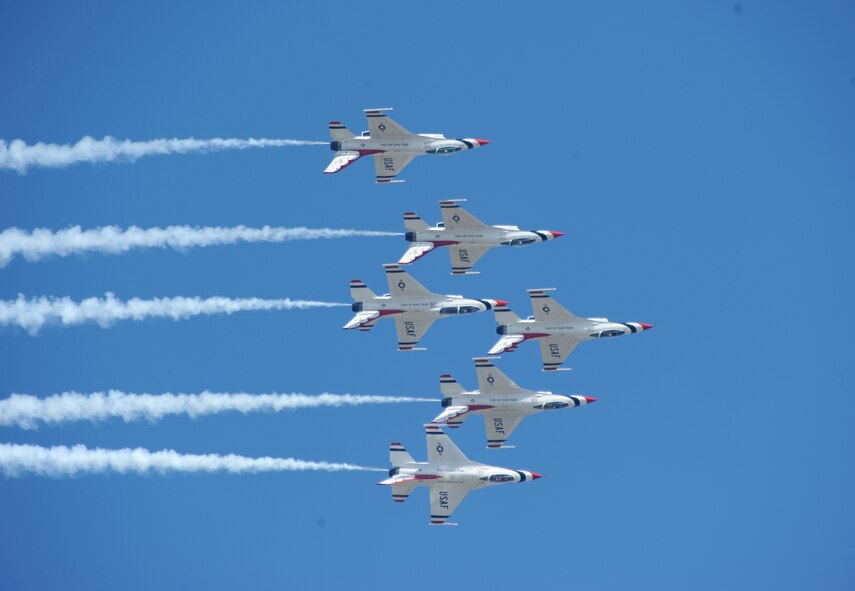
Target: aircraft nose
[
  {"x": 556, "y": 234},
  {"x": 535, "y": 475},
  {"x": 501, "y": 302},
  {"x": 483, "y": 142},
  {"x": 645, "y": 326},
  {"x": 590, "y": 399}
]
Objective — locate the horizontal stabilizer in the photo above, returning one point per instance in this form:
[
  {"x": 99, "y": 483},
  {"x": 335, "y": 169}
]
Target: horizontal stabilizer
[
  {"x": 449, "y": 386},
  {"x": 341, "y": 160},
  {"x": 398, "y": 455}
]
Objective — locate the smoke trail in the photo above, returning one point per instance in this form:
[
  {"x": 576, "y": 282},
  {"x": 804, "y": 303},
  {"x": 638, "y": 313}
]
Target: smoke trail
[
  {"x": 26, "y": 411},
  {"x": 43, "y": 242},
  {"x": 59, "y": 461},
  {"x": 19, "y": 156},
  {"x": 33, "y": 314}
]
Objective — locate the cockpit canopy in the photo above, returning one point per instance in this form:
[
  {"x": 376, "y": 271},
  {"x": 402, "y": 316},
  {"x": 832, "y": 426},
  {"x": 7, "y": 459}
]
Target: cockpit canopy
[
  {"x": 497, "y": 478},
  {"x": 552, "y": 405},
  {"x": 518, "y": 242},
  {"x": 609, "y": 333},
  {"x": 459, "y": 309}
]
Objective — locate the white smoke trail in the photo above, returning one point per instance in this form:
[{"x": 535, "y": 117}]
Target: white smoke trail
[
  {"x": 19, "y": 156},
  {"x": 60, "y": 461},
  {"x": 32, "y": 314},
  {"x": 27, "y": 411},
  {"x": 43, "y": 242}
]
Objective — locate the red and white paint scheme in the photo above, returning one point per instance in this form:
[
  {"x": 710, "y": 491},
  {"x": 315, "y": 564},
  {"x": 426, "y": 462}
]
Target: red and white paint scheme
[
  {"x": 391, "y": 146},
  {"x": 502, "y": 403},
  {"x": 448, "y": 473},
  {"x": 413, "y": 307},
  {"x": 557, "y": 329},
  {"x": 466, "y": 237}
]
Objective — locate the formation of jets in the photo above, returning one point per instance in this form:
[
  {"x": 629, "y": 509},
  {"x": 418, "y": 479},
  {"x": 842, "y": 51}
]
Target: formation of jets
[{"x": 448, "y": 473}]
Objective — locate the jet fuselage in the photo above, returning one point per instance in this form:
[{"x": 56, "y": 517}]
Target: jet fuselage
[
  {"x": 432, "y": 305},
  {"x": 412, "y": 145},
  {"x": 488, "y": 236},
  {"x": 580, "y": 329},
  {"x": 472, "y": 474}
]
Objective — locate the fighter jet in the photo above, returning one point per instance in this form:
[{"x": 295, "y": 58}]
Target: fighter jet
[
  {"x": 467, "y": 237},
  {"x": 449, "y": 474},
  {"x": 392, "y": 146},
  {"x": 500, "y": 400},
  {"x": 557, "y": 329},
  {"x": 414, "y": 307}
]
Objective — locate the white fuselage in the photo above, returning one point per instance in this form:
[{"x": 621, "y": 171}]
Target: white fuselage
[
  {"x": 436, "y": 305},
  {"x": 489, "y": 236},
  {"x": 415, "y": 145},
  {"x": 580, "y": 329},
  {"x": 470, "y": 474},
  {"x": 523, "y": 402}
]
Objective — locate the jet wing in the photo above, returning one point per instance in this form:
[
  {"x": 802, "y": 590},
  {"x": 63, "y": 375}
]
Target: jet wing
[
  {"x": 507, "y": 344},
  {"x": 499, "y": 426},
  {"x": 441, "y": 449},
  {"x": 389, "y": 165},
  {"x": 362, "y": 321},
  {"x": 546, "y": 309},
  {"x": 492, "y": 379},
  {"x": 555, "y": 351},
  {"x": 382, "y": 126},
  {"x": 416, "y": 251},
  {"x": 402, "y": 283},
  {"x": 341, "y": 160},
  {"x": 456, "y": 217},
  {"x": 411, "y": 329},
  {"x": 464, "y": 257},
  {"x": 444, "y": 499}
]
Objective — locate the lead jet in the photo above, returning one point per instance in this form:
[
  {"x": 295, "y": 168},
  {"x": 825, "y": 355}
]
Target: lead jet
[
  {"x": 557, "y": 329},
  {"x": 466, "y": 237},
  {"x": 448, "y": 473},
  {"x": 503, "y": 403},
  {"x": 413, "y": 306},
  {"x": 392, "y": 146}
]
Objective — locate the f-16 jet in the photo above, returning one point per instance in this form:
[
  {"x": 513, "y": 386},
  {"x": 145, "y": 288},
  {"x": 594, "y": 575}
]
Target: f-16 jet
[
  {"x": 448, "y": 473},
  {"x": 557, "y": 329},
  {"x": 392, "y": 146},
  {"x": 503, "y": 403},
  {"x": 466, "y": 237},
  {"x": 412, "y": 305}
]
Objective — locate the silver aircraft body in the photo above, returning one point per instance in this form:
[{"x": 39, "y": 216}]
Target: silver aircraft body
[
  {"x": 391, "y": 146},
  {"x": 466, "y": 237},
  {"x": 557, "y": 329},
  {"x": 502, "y": 403},
  {"x": 413, "y": 307},
  {"x": 448, "y": 474}
]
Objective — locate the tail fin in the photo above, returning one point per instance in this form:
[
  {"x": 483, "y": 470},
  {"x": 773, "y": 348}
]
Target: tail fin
[
  {"x": 449, "y": 386},
  {"x": 339, "y": 132},
  {"x": 504, "y": 315},
  {"x": 360, "y": 292},
  {"x": 414, "y": 223},
  {"x": 398, "y": 455}
]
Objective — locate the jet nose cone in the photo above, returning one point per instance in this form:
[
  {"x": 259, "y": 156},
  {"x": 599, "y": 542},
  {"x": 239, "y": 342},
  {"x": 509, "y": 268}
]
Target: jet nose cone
[
  {"x": 483, "y": 142},
  {"x": 556, "y": 234},
  {"x": 646, "y": 326},
  {"x": 590, "y": 399},
  {"x": 499, "y": 303},
  {"x": 535, "y": 475}
]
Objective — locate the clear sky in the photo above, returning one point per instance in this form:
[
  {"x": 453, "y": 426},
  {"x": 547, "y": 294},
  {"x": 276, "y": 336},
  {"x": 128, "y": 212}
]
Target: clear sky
[{"x": 700, "y": 158}]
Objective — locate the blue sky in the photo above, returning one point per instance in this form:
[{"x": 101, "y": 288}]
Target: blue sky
[{"x": 699, "y": 157}]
